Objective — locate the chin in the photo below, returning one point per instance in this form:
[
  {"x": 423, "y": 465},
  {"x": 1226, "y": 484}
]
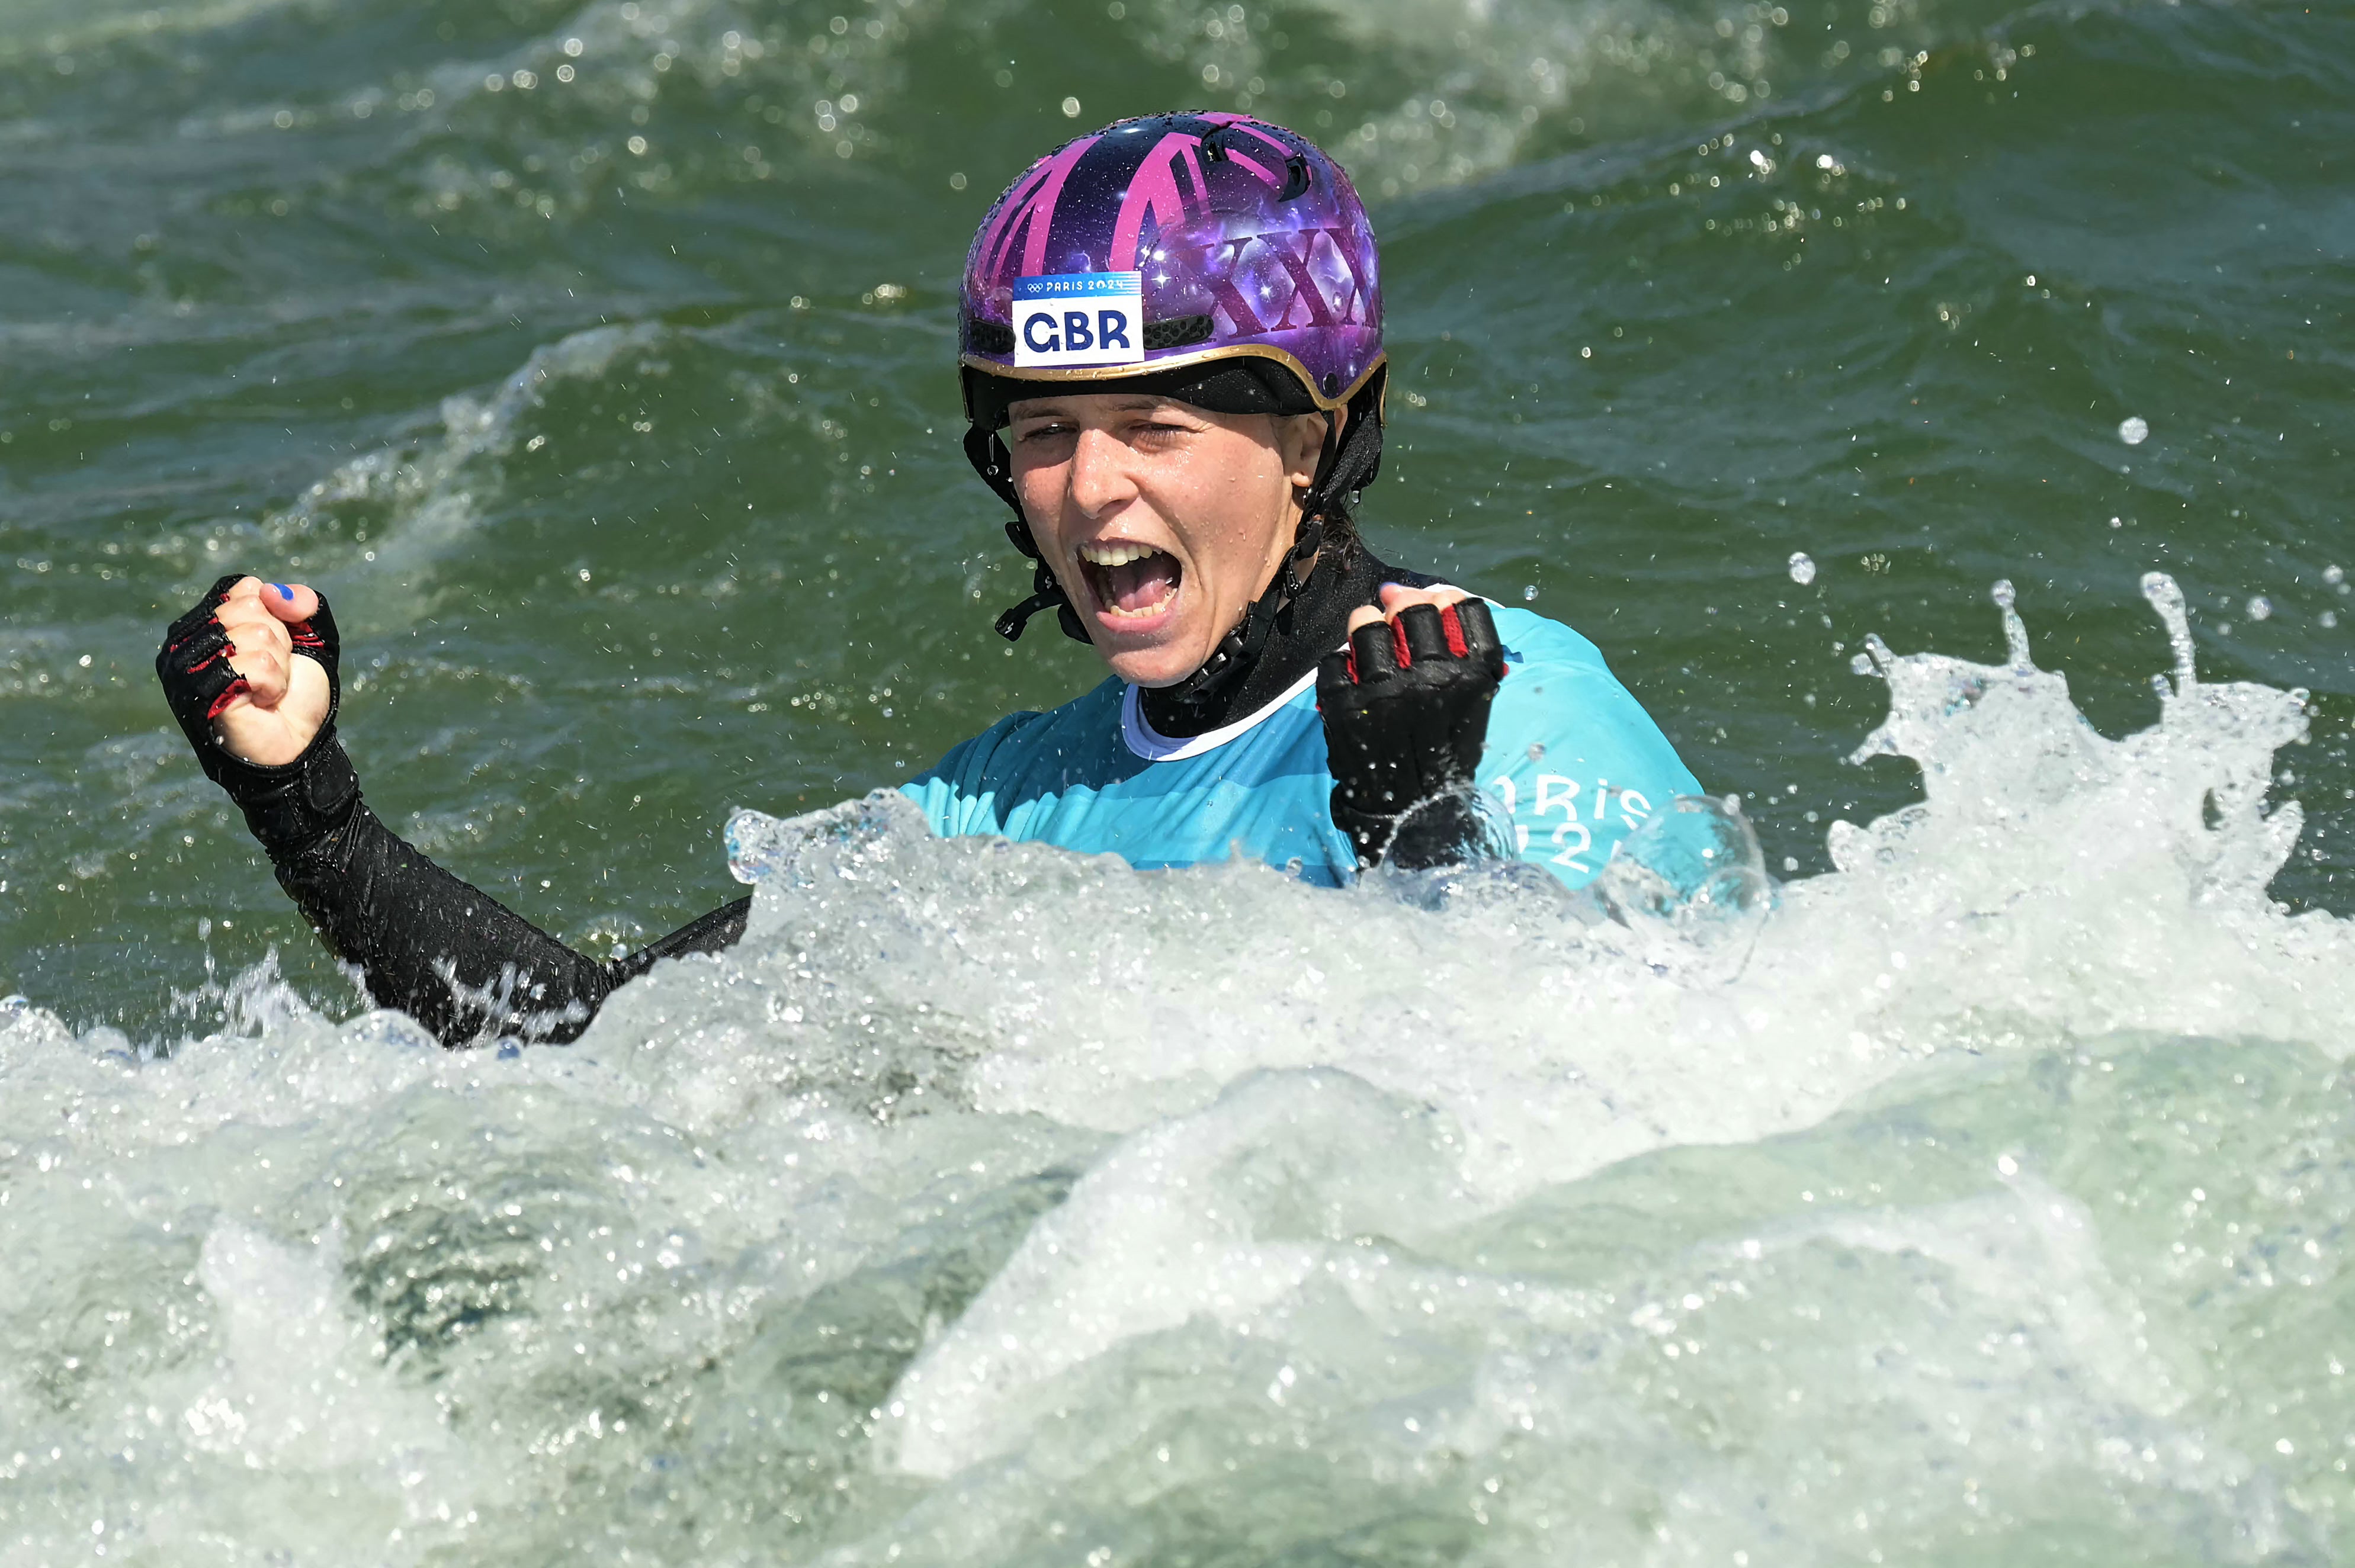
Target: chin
[{"x": 1160, "y": 663}]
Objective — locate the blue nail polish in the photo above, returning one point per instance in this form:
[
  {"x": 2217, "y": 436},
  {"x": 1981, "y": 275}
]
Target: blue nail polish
[{"x": 284, "y": 591}]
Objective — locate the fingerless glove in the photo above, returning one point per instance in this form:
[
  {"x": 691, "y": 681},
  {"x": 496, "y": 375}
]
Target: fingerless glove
[
  {"x": 288, "y": 806},
  {"x": 1406, "y": 713}
]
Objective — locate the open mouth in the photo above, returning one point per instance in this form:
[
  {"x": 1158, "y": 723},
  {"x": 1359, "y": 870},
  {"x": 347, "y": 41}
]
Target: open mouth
[{"x": 1131, "y": 583}]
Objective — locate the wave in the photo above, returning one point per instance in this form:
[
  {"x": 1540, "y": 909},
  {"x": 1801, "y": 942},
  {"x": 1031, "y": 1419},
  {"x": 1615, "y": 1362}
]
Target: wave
[{"x": 987, "y": 1198}]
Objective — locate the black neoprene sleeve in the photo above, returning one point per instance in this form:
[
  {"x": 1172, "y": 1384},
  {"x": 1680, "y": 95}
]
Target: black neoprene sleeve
[
  {"x": 447, "y": 954},
  {"x": 453, "y": 957},
  {"x": 450, "y": 956}
]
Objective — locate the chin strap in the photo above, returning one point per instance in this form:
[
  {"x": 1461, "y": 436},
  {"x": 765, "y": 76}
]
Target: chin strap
[
  {"x": 1046, "y": 592},
  {"x": 1240, "y": 648},
  {"x": 1343, "y": 469},
  {"x": 987, "y": 453}
]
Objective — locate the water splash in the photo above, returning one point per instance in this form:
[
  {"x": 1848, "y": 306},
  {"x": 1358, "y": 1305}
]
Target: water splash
[
  {"x": 986, "y": 1190},
  {"x": 2166, "y": 600}
]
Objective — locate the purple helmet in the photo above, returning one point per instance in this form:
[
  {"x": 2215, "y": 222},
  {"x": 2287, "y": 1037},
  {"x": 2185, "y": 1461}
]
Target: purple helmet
[
  {"x": 1212, "y": 258},
  {"x": 1228, "y": 237}
]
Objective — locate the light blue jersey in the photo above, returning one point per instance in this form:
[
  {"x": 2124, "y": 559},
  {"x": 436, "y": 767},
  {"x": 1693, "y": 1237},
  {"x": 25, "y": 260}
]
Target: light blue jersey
[{"x": 1572, "y": 763}]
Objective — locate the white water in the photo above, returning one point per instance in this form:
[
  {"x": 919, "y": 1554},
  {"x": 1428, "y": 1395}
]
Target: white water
[{"x": 1983, "y": 1201}]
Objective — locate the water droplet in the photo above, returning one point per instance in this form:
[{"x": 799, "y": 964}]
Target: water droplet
[
  {"x": 2015, "y": 631},
  {"x": 2134, "y": 431},
  {"x": 1803, "y": 567},
  {"x": 1528, "y": 591},
  {"x": 2334, "y": 575},
  {"x": 2260, "y": 608},
  {"x": 2167, "y": 600}
]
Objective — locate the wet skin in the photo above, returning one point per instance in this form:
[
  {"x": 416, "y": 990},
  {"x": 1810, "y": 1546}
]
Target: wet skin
[
  {"x": 1215, "y": 494},
  {"x": 286, "y": 702}
]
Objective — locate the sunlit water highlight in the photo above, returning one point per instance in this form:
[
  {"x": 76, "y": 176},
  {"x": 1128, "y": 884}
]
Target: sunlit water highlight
[{"x": 1983, "y": 1199}]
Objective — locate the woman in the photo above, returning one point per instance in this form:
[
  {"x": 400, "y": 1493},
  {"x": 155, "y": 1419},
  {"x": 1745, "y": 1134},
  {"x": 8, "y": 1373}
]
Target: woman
[{"x": 1173, "y": 374}]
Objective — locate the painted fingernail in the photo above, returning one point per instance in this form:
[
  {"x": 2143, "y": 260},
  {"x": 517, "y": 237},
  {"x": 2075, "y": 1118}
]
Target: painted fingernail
[{"x": 284, "y": 591}]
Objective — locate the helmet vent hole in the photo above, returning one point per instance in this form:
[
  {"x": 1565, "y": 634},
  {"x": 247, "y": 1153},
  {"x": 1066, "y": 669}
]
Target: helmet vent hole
[{"x": 1179, "y": 332}]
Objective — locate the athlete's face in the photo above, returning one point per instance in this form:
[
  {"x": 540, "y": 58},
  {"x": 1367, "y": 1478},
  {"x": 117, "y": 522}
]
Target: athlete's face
[{"x": 1162, "y": 522}]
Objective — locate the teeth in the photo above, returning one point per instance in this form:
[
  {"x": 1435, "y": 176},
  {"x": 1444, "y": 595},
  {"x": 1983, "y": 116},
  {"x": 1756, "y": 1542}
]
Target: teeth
[{"x": 1114, "y": 555}]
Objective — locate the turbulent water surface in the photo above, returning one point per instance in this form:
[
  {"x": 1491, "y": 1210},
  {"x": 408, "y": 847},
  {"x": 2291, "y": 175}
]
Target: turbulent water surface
[{"x": 1967, "y": 1183}]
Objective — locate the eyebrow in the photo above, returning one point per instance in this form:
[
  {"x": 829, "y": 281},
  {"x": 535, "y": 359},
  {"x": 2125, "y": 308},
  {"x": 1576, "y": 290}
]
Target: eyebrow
[{"x": 1131, "y": 403}]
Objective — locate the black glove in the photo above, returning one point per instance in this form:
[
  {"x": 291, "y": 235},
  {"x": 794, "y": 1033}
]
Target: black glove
[
  {"x": 288, "y": 806},
  {"x": 1406, "y": 712}
]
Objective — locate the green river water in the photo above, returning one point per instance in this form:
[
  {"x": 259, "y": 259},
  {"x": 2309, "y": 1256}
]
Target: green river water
[{"x": 1984, "y": 1199}]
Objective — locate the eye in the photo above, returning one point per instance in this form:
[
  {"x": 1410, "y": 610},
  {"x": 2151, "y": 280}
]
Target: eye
[{"x": 1032, "y": 435}]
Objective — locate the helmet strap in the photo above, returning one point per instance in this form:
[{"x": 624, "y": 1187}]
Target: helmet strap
[
  {"x": 1345, "y": 467},
  {"x": 1240, "y": 648},
  {"x": 990, "y": 459},
  {"x": 987, "y": 453},
  {"x": 1046, "y": 592}
]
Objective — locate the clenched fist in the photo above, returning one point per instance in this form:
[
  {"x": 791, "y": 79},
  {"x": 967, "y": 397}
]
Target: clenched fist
[
  {"x": 250, "y": 669},
  {"x": 1406, "y": 714},
  {"x": 251, "y": 674}
]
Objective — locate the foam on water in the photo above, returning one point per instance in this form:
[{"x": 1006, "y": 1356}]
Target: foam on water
[{"x": 1984, "y": 1199}]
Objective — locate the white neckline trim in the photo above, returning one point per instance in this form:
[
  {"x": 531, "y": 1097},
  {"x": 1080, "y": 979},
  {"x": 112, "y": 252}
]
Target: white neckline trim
[{"x": 1138, "y": 734}]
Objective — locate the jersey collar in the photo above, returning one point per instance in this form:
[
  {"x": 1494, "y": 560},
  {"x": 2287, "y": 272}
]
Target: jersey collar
[{"x": 1138, "y": 734}]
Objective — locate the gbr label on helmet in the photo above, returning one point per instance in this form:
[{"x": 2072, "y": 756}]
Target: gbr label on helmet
[{"x": 1079, "y": 318}]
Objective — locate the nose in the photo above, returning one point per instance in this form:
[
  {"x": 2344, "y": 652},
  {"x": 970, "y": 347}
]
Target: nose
[{"x": 1100, "y": 478}]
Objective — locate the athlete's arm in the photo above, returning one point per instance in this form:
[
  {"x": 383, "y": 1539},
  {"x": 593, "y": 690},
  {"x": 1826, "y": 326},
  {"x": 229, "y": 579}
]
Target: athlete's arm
[
  {"x": 251, "y": 673},
  {"x": 448, "y": 954}
]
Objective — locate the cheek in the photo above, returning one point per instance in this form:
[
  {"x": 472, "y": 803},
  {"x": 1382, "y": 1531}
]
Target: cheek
[
  {"x": 1041, "y": 488},
  {"x": 1226, "y": 496}
]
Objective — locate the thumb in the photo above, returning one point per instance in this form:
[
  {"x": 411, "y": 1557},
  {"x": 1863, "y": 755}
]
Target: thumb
[{"x": 290, "y": 601}]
